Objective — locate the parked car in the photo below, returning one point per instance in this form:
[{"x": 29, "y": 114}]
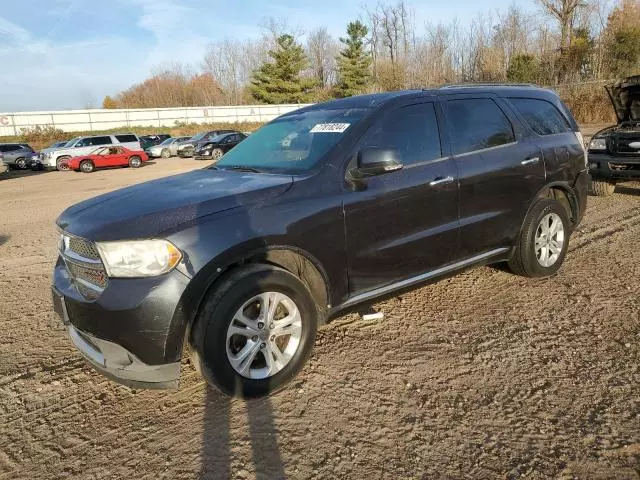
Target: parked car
[
  {"x": 614, "y": 152},
  {"x": 166, "y": 149},
  {"x": 215, "y": 148},
  {"x": 323, "y": 209},
  {"x": 15, "y": 155},
  {"x": 156, "y": 139},
  {"x": 103, "y": 157},
  {"x": 35, "y": 163},
  {"x": 57, "y": 158},
  {"x": 187, "y": 148}
]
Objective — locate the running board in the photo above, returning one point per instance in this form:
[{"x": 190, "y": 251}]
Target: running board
[{"x": 421, "y": 278}]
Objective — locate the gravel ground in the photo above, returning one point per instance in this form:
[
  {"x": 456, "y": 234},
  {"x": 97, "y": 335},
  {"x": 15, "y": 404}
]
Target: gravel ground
[{"x": 484, "y": 375}]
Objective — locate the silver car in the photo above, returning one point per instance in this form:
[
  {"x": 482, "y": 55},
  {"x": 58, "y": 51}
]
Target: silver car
[{"x": 166, "y": 149}]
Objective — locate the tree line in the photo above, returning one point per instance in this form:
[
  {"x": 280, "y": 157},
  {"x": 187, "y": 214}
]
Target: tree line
[{"x": 565, "y": 44}]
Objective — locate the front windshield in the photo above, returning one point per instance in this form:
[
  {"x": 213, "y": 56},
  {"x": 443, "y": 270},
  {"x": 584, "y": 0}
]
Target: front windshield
[
  {"x": 198, "y": 136},
  {"x": 293, "y": 143},
  {"x": 168, "y": 141},
  {"x": 72, "y": 142}
]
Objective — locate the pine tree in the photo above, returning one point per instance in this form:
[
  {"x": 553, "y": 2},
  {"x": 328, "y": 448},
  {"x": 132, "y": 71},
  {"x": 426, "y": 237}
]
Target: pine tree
[
  {"x": 353, "y": 62},
  {"x": 280, "y": 81}
]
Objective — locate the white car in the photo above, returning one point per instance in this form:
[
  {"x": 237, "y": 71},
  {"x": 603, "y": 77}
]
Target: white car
[{"x": 55, "y": 158}]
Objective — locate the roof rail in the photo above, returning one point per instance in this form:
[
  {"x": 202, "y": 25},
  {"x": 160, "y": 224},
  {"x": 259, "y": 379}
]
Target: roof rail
[{"x": 481, "y": 85}]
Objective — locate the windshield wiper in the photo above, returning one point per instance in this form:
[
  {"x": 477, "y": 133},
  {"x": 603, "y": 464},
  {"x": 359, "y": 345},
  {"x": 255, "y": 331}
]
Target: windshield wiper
[{"x": 242, "y": 169}]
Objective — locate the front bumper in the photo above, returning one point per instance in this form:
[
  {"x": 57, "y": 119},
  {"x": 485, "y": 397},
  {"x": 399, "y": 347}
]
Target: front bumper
[
  {"x": 133, "y": 332},
  {"x": 604, "y": 166},
  {"x": 202, "y": 156},
  {"x": 186, "y": 152},
  {"x": 153, "y": 154}
]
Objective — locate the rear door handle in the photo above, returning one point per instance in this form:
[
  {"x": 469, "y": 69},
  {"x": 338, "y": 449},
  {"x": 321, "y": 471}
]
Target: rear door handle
[
  {"x": 530, "y": 161},
  {"x": 440, "y": 181}
]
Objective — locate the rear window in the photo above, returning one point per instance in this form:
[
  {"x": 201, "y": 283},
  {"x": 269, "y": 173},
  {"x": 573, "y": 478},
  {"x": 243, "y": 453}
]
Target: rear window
[
  {"x": 542, "y": 116},
  {"x": 476, "y": 124},
  {"x": 126, "y": 138}
]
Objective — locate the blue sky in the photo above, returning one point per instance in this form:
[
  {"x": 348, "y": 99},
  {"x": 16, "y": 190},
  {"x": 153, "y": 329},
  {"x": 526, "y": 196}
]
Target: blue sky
[{"x": 61, "y": 54}]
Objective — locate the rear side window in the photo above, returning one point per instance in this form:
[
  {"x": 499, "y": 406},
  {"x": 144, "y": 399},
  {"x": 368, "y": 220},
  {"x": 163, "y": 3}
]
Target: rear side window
[
  {"x": 542, "y": 116},
  {"x": 8, "y": 148},
  {"x": 412, "y": 130},
  {"x": 477, "y": 123},
  {"x": 126, "y": 138}
]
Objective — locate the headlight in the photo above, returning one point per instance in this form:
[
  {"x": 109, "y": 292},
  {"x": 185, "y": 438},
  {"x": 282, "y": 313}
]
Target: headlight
[
  {"x": 143, "y": 258},
  {"x": 207, "y": 147},
  {"x": 598, "y": 144}
]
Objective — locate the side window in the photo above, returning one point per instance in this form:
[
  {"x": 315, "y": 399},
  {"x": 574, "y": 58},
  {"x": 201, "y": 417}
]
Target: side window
[
  {"x": 477, "y": 123},
  {"x": 101, "y": 141},
  {"x": 129, "y": 138},
  {"x": 412, "y": 130},
  {"x": 542, "y": 116}
]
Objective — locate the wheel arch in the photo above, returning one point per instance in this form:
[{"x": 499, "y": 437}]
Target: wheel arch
[
  {"x": 564, "y": 194},
  {"x": 297, "y": 261}
]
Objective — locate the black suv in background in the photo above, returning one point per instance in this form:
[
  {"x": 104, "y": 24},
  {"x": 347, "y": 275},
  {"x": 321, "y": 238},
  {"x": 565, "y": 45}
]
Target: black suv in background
[
  {"x": 188, "y": 148},
  {"x": 324, "y": 209},
  {"x": 216, "y": 147},
  {"x": 614, "y": 152}
]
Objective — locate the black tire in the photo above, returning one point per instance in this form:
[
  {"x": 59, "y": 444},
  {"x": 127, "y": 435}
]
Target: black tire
[
  {"x": 208, "y": 337},
  {"x": 165, "y": 153},
  {"x": 61, "y": 163},
  {"x": 21, "y": 163},
  {"x": 135, "y": 161},
  {"x": 602, "y": 188},
  {"x": 524, "y": 259},
  {"x": 87, "y": 166}
]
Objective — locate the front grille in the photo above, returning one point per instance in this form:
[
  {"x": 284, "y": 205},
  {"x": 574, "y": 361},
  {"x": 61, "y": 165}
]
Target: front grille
[
  {"x": 83, "y": 248},
  {"x": 84, "y": 265},
  {"x": 94, "y": 276}
]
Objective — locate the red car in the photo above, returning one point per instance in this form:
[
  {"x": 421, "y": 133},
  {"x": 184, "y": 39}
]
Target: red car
[{"x": 107, "y": 157}]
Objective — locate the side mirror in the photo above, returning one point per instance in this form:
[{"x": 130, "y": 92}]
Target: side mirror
[{"x": 376, "y": 161}]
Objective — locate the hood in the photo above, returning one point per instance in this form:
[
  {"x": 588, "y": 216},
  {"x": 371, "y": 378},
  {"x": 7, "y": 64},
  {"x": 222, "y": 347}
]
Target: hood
[
  {"x": 147, "y": 209},
  {"x": 625, "y": 97}
]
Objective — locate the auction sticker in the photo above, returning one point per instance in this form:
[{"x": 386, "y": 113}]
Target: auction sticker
[{"x": 330, "y": 128}]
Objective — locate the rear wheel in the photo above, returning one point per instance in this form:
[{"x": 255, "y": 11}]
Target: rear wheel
[
  {"x": 543, "y": 242},
  {"x": 61, "y": 163},
  {"x": 254, "y": 332},
  {"x": 135, "y": 161},
  {"x": 87, "y": 166},
  {"x": 21, "y": 163},
  {"x": 602, "y": 188},
  {"x": 165, "y": 153}
]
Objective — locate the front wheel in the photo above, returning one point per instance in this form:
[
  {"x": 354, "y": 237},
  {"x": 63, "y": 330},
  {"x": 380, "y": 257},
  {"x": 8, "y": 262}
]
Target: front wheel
[
  {"x": 255, "y": 331},
  {"x": 217, "y": 153},
  {"x": 602, "y": 188},
  {"x": 135, "y": 162},
  {"x": 165, "y": 153},
  {"x": 21, "y": 164},
  {"x": 543, "y": 242},
  {"x": 61, "y": 163},
  {"x": 87, "y": 166}
]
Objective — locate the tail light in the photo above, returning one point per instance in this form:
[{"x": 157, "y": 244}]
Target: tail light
[{"x": 584, "y": 149}]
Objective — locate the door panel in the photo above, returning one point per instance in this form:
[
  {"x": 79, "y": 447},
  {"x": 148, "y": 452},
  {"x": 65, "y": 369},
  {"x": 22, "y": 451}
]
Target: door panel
[
  {"x": 501, "y": 170},
  {"x": 403, "y": 223}
]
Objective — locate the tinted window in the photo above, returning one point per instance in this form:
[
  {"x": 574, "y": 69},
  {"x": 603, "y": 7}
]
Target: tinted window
[
  {"x": 100, "y": 140},
  {"x": 542, "y": 116},
  {"x": 412, "y": 130},
  {"x": 7, "y": 148},
  {"x": 126, "y": 138},
  {"x": 477, "y": 123}
]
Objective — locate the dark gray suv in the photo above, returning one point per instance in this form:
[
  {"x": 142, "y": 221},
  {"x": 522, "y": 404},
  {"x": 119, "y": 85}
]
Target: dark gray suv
[{"x": 320, "y": 211}]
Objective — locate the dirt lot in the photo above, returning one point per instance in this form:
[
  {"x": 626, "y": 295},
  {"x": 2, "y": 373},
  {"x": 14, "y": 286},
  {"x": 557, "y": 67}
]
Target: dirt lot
[{"x": 485, "y": 375}]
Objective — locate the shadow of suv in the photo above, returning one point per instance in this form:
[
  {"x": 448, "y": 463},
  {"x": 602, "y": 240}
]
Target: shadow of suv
[{"x": 330, "y": 207}]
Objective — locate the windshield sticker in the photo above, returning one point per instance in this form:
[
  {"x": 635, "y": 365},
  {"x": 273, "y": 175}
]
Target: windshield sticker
[{"x": 330, "y": 127}]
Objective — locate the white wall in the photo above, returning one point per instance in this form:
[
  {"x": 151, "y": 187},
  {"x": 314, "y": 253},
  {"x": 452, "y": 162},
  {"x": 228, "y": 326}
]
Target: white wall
[{"x": 97, "y": 119}]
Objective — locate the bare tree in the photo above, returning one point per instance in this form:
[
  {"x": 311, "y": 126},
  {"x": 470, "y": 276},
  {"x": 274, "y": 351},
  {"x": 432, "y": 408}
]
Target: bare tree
[
  {"x": 322, "y": 50},
  {"x": 564, "y": 11}
]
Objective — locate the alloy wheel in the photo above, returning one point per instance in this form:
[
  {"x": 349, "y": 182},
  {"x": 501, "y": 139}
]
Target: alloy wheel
[
  {"x": 264, "y": 335},
  {"x": 549, "y": 241}
]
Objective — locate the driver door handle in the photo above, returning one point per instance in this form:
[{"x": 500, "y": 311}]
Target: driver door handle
[
  {"x": 530, "y": 161},
  {"x": 441, "y": 181}
]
